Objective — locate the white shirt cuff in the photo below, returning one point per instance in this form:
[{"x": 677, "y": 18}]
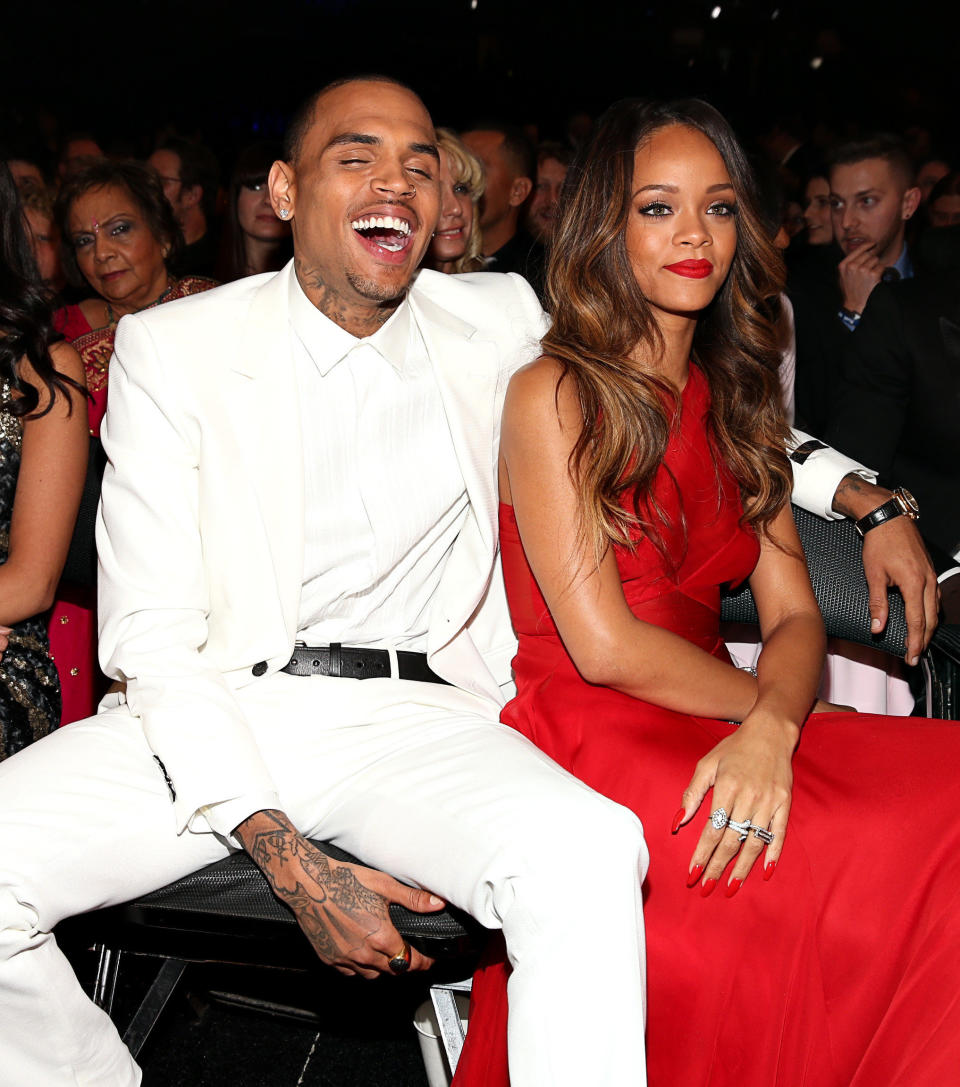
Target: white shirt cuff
[
  {"x": 815, "y": 482},
  {"x": 223, "y": 817}
]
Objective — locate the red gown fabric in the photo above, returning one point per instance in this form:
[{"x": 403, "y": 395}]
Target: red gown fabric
[{"x": 842, "y": 970}]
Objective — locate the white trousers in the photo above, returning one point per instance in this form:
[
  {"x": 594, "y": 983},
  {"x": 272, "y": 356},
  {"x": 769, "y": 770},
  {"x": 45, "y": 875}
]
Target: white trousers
[{"x": 416, "y": 779}]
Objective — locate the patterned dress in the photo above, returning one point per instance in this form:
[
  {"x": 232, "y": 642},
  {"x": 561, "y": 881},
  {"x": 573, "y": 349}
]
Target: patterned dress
[{"x": 29, "y": 687}]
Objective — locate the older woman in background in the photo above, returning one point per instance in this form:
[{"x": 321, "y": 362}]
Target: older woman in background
[
  {"x": 255, "y": 240},
  {"x": 119, "y": 235},
  {"x": 456, "y": 242}
]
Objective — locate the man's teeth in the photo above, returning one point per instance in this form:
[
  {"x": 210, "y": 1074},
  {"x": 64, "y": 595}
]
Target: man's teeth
[{"x": 382, "y": 222}]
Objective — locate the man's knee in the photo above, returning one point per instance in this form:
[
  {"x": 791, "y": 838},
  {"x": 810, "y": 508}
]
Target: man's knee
[
  {"x": 593, "y": 841},
  {"x": 18, "y": 922}
]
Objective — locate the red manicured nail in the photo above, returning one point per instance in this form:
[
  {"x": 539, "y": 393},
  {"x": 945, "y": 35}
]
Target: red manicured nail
[
  {"x": 732, "y": 887},
  {"x": 677, "y": 820},
  {"x": 707, "y": 888},
  {"x": 769, "y": 870},
  {"x": 695, "y": 873}
]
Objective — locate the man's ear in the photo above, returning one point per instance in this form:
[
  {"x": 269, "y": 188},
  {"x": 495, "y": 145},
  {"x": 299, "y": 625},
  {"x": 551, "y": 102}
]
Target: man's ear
[
  {"x": 520, "y": 190},
  {"x": 282, "y": 182},
  {"x": 911, "y": 201},
  {"x": 189, "y": 198}
]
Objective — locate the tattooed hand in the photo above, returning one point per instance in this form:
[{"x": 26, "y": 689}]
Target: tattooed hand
[{"x": 342, "y": 908}]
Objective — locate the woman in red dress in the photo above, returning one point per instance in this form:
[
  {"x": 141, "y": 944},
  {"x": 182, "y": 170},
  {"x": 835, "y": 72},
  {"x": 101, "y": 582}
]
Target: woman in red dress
[
  {"x": 802, "y": 904},
  {"x": 120, "y": 238}
]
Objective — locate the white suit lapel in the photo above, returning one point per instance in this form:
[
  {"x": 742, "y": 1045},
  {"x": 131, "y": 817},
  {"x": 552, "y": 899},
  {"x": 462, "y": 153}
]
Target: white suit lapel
[
  {"x": 467, "y": 372},
  {"x": 262, "y": 401}
]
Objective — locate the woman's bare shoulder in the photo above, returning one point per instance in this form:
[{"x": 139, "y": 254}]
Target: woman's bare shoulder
[{"x": 543, "y": 391}]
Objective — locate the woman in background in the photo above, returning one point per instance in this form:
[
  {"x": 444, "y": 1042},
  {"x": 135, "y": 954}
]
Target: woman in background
[
  {"x": 456, "y": 244},
  {"x": 816, "y": 210},
  {"x": 254, "y": 239},
  {"x": 43, "y": 456}
]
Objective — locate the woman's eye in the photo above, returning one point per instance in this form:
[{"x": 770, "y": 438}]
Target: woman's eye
[
  {"x": 723, "y": 208},
  {"x": 81, "y": 241},
  {"x": 461, "y": 189},
  {"x": 121, "y": 228},
  {"x": 656, "y": 210}
]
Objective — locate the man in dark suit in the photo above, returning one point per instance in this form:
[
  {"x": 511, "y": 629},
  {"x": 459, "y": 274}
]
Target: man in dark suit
[
  {"x": 898, "y": 399},
  {"x": 873, "y": 195}
]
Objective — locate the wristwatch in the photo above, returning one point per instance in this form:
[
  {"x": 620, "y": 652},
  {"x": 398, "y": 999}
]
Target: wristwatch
[{"x": 900, "y": 504}]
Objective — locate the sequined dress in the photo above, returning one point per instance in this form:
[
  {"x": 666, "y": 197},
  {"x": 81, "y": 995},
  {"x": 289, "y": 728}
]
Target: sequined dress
[{"x": 29, "y": 687}]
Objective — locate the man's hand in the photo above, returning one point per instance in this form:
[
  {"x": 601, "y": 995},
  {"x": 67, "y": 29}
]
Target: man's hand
[
  {"x": 893, "y": 555},
  {"x": 342, "y": 908},
  {"x": 859, "y": 273}
]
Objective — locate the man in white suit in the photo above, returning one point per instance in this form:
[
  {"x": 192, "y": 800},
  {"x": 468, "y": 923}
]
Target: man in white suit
[{"x": 310, "y": 458}]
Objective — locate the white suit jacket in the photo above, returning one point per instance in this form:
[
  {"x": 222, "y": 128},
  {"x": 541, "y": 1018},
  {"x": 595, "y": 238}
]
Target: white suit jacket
[{"x": 200, "y": 531}]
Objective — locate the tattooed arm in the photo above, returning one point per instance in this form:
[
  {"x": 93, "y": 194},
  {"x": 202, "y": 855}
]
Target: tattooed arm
[
  {"x": 342, "y": 908},
  {"x": 893, "y": 555}
]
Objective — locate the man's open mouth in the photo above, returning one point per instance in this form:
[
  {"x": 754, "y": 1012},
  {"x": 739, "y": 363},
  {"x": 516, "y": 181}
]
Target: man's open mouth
[{"x": 386, "y": 231}]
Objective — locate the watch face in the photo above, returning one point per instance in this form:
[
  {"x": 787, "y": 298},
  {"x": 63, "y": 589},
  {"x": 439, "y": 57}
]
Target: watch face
[{"x": 907, "y": 502}]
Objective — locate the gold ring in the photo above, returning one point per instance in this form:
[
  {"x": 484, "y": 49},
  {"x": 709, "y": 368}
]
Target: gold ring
[{"x": 400, "y": 963}]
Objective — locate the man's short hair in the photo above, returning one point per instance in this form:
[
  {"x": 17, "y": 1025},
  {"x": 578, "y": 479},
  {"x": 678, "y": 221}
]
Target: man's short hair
[
  {"x": 882, "y": 145},
  {"x": 198, "y": 166},
  {"x": 516, "y": 146},
  {"x": 553, "y": 149},
  {"x": 302, "y": 119}
]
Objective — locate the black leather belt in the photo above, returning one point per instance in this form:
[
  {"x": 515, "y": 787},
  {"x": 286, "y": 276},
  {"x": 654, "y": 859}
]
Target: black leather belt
[{"x": 351, "y": 662}]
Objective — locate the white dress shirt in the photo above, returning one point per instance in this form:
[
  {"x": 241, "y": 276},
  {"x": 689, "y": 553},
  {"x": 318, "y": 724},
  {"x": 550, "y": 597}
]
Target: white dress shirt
[{"x": 384, "y": 494}]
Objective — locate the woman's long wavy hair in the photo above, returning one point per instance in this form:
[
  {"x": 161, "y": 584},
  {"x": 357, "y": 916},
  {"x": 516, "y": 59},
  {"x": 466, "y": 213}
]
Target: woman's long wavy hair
[
  {"x": 26, "y": 326},
  {"x": 602, "y": 324}
]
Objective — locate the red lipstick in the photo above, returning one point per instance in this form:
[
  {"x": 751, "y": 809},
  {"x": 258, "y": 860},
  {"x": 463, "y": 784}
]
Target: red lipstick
[{"x": 691, "y": 269}]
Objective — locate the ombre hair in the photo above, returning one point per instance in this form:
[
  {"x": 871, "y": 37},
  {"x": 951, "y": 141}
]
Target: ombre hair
[
  {"x": 467, "y": 170},
  {"x": 602, "y": 324}
]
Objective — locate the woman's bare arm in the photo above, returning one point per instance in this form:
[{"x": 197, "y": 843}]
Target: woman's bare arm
[
  {"x": 52, "y": 470},
  {"x": 607, "y": 643}
]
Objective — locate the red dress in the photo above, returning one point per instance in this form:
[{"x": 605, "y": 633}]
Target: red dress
[{"x": 844, "y": 969}]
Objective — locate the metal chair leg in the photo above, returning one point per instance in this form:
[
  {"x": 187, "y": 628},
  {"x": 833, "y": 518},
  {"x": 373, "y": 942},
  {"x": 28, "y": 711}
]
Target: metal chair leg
[
  {"x": 153, "y": 1004},
  {"x": 448, "y": 1018},
  {"x": 105, "y": 983}
]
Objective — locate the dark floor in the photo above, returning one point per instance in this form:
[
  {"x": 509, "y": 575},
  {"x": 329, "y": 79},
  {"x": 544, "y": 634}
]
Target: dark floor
[{"x": 322, "y": 1030}]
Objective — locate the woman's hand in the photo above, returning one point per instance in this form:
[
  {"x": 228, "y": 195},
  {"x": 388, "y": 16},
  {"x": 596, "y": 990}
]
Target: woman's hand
[
  {"x": 5, "y": 633},
  {"x": 751, "y": 776}
]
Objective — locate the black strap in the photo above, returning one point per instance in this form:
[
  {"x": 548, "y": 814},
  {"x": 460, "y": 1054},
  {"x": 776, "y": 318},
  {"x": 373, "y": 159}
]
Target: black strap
[
  {"x": 800, "y": 454},
  {"x": 351, "y": 662}
]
